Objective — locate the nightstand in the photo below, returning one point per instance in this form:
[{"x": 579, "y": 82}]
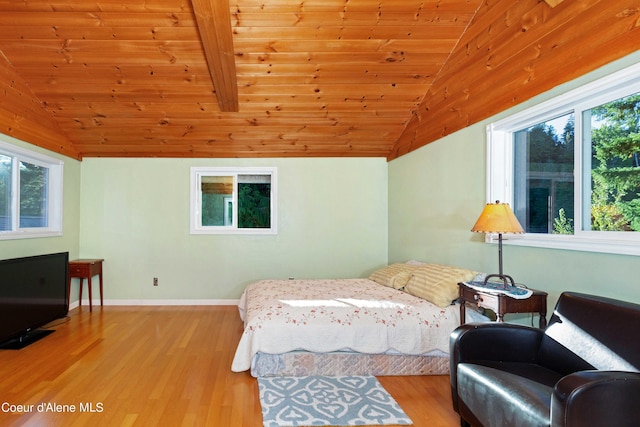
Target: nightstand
[
  {"x": 502, "y": 304},
  {"x": 86, "y": 269}
]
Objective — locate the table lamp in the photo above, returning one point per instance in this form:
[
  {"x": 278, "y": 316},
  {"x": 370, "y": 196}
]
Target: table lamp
[{"x": 498, "y": 218}]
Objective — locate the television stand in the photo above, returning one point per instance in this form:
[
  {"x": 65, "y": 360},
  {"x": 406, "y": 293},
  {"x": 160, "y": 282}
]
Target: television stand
[{"x": 24, "y": 340}]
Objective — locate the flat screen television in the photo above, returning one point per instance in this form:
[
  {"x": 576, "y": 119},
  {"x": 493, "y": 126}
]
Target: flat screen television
[{"x": 33, "y": 292}]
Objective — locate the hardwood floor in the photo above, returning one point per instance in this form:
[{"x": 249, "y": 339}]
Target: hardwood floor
[{"x": 149, "y": 366}]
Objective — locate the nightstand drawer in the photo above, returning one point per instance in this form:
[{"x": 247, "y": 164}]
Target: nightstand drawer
[
  {"x": 79, "y": 270},
  {"x": 483, "y": 300},
  {"x": 486, "y": 301}
]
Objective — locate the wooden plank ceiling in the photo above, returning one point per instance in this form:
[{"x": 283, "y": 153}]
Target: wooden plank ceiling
[{"x": 280, "y": 78}]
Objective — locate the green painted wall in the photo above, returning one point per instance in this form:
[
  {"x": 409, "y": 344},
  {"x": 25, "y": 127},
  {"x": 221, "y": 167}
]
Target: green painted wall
[
  {"x": 332, "y": 222},
  {"x": 336, "y": 218},
  {"x": 70, "y": 240},
  {"x": 437, "y": 192}
]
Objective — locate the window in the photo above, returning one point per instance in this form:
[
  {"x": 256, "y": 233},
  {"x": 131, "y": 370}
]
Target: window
[
  {"x": 233, "y": 200},
  {"x": 30, "y": 194},
  {"x": 570, "y": 167}
]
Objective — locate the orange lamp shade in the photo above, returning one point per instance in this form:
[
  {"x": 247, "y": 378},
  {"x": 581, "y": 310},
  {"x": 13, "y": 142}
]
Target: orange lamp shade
[{"x": 497, "y": 218}]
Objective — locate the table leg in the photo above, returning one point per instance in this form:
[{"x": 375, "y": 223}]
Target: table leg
[
  {"x": 101, "y": 289},
  {"x": 543, "y": 320},
  {"x": 90, "y": 297},
  {"x": 80, "y": 299}
]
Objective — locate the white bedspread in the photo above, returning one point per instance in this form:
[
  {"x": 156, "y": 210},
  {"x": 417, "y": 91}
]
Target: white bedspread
[{"x": 342, "y": 314}]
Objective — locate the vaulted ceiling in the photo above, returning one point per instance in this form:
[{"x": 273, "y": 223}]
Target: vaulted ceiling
[{"x": 280, "y": 78}]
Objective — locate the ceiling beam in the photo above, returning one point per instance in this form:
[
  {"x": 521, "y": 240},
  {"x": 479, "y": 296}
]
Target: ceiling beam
[{"x": 214, "y": 25}]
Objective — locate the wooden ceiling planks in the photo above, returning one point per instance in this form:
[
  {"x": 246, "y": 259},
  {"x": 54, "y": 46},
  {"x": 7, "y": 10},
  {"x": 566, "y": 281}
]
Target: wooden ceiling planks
[
  {"x": 22, "y": 115},
  {"x": 546, "y": 47},
  {"x": 313, "y": 78},
  {"x": 134, "y": 73}
]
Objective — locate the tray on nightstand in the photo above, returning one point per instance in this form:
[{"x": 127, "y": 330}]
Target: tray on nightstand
[{"x": 496, "y": 288}]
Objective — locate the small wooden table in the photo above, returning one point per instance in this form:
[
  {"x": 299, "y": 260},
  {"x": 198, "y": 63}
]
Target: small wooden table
[
  {"x": 502, "y": 304},
  {"x": 86, "y": 269}
]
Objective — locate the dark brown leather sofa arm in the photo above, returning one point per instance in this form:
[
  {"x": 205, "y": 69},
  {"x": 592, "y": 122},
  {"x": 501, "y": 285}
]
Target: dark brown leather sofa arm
[{"x": 596, "y": 398}]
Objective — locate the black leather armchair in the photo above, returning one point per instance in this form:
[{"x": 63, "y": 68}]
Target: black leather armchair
[{"x": 582, "y": 370}]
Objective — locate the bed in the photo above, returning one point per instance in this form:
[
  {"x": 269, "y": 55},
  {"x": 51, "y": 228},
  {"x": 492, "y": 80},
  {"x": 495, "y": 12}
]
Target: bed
[{"x": 376, "y": 325}]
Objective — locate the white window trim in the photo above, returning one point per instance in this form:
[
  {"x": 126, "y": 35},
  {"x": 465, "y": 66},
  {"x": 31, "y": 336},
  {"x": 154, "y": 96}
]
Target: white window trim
[
  {"x": 196, "y": 226},
  {"x": 55, "y": 196},
  {"x": 500, "y": 167}
]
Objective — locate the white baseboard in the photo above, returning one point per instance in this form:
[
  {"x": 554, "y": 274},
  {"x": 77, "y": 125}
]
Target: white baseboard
[{"x": 158, "y": 302}]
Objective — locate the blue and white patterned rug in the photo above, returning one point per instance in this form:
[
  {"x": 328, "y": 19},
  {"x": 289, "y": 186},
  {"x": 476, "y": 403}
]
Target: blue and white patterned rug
[{"x": 327, "y": 401}]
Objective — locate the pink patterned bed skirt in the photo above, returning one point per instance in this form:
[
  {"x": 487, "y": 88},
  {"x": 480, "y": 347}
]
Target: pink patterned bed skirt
[{"x": 344, "y": 363}]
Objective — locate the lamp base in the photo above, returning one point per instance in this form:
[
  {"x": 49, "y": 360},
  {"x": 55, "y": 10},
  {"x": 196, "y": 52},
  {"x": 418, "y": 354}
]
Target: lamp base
[{"x": 504, "y": 278}]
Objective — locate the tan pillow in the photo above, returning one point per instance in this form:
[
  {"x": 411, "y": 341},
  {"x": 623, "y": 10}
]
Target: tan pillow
[
  {"x": 394, "y": 275},
  {"x": 437, "y": 283}
]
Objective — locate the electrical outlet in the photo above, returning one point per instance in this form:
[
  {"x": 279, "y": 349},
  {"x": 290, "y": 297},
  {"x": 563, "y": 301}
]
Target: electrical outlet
[{"x": 155, "y": 281}]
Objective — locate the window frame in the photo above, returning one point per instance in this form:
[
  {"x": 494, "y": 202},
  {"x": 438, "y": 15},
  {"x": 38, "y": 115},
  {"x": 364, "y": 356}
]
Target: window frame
[
  {"x": 54, "y": 196},
  {"x": 197, "y": 173},
  {"x": 500, "y": 163}
]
